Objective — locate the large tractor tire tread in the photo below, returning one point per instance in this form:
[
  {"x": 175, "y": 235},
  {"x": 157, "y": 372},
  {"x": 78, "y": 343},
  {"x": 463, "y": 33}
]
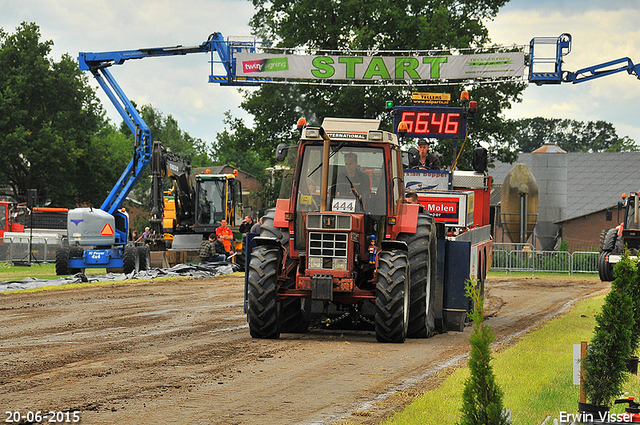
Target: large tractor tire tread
[
  {"x": 267, "y": 229},
  {"x": 609, "y": 243},
  {"x": 62, "y": 261},
  {"x": 144, "y": 257},
  {"x": 263, "y": 308},
  {"x": 422, "y": 256},
  {"x": 605, "y": 269},
  {"x": 392, "y": 297},
  {"x": 130, "y": 260}
]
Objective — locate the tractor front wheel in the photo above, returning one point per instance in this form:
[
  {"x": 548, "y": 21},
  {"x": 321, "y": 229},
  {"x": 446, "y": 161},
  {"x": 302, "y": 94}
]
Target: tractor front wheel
[{"x": 392, "y": 297}]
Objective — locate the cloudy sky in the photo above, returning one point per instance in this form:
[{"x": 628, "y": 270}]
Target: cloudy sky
[{"x": 602, "y": 31}]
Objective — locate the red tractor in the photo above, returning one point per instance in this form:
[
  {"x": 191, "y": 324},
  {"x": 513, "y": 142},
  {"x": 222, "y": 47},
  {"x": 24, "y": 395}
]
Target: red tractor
[
  {"x": 626, "y": 234},
  {"x": 345, "y": 242}
]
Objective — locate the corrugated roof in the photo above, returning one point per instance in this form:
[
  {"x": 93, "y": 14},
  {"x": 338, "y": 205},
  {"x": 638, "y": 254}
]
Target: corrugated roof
[{"x": 595, "y": 181}]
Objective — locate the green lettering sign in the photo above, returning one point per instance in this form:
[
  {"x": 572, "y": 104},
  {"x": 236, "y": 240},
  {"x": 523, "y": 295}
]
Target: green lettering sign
[
  {"x": 435, "y": 64},
  {"x": 324, "y": 67},
  {"x": 407, "y": 65},
  {"x": 376, "y": 67},
  {"x": 351, "y": 65}
]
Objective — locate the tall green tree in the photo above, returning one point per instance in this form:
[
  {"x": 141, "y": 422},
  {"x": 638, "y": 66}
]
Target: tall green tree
[
  {"x": 165, "y": 129},
  {"x": 570, "y": 135},
  {"x": 345, "y": 26},
  {"x": 51, "y": 124}
]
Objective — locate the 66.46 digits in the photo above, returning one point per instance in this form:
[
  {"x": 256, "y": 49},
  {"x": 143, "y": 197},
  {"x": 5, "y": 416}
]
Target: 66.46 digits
[
  {"x": 49, "y": 416},
  {"x": 432, "y": 122}
]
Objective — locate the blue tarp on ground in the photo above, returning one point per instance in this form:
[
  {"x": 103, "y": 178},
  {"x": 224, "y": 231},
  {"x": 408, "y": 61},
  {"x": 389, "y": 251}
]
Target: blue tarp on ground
[{"x": 184, "y": 270}]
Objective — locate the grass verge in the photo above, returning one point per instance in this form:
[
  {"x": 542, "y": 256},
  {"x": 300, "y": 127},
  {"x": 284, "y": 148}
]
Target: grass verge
[
  {"x": 535, "y": 375},
  {"x": 10, "y": 272}
]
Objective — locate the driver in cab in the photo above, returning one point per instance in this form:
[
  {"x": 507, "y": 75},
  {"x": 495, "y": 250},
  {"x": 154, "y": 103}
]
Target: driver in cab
[{"x": 352, "y": 179}]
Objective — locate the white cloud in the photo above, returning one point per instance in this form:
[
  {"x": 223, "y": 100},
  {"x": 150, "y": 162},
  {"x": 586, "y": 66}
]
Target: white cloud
[
  {"x": 601, "y": 32},
  {"x": 178, "y": 86}
]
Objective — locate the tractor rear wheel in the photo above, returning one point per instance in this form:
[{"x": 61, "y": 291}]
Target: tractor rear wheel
[
  {"x": 263, "y": 309},
  {"x": 130, "y": 260},
  {"x": 609, "y": 243},
  {"x": 422, "y": 264},
  {"x": 62, "y": 261},
  {"x": 392, "y": 297}
]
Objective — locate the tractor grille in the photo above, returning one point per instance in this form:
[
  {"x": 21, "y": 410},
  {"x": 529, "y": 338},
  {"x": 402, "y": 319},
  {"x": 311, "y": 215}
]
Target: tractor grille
[{"x": 327, "y": 251}]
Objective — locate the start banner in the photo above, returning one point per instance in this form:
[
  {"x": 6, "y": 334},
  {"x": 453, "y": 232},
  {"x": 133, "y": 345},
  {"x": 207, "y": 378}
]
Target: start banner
[{"x": 371, "y": 68}]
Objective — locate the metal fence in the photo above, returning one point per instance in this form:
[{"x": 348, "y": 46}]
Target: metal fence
[
  {"x": 523, "y": 257},
  {"x": 42, "y": 251}
]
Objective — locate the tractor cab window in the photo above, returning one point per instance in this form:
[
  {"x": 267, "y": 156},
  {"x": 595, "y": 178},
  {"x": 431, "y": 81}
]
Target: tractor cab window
[
  {"x": 211, "y": 201},
  {"x": 356, "y": 182}
]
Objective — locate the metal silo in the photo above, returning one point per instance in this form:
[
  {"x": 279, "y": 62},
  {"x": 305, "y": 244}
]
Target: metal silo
[{"x": 549, "y": 166}]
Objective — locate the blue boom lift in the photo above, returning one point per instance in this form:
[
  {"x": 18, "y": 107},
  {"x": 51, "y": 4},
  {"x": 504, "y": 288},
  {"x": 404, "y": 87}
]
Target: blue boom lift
[
  {"x": 98, "y": 237},
  {"x": 547, "y": 69}
]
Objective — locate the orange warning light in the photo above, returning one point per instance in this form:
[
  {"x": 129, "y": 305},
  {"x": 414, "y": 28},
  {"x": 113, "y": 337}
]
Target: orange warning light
[{"x": 107, "y": 230}]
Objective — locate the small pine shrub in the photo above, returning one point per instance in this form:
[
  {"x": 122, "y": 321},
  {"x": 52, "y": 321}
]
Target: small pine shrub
[
  {"x": 481, "y": 397},
  {"x": 606, "y": 362}
]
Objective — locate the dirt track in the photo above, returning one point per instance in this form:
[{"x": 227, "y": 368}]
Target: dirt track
[{"x": 179, "y": 351}]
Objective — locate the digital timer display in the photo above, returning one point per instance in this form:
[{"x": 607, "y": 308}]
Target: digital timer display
[{"x": 443, "y": 122}]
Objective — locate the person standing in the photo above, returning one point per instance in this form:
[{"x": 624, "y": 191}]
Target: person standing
[
  {"x": 227, "y": 235},
  {"x": 144, "y": 235},
  {"x": 411, "y": 198},
  {"x": 427, "y": 160},
  {"x": 246, "y": 225},
  {"x": 256, "y": 227}
]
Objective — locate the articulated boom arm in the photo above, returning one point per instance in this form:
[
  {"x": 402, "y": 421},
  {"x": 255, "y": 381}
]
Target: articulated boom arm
[
  {"x": 98, "y": 64},
  {"x": 548, "y": 69}
]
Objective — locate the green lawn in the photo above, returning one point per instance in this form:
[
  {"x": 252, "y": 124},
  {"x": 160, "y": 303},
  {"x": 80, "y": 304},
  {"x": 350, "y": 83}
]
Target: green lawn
[
  {"x": 36, "y": 270},
  {"x": 535, "y": 375}
]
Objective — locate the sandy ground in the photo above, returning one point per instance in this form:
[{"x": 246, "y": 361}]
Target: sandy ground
[{"x": 179, "y": 351}]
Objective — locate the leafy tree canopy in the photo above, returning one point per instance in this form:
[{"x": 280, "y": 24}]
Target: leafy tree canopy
[
  {"x": 53, "y": 134},
  {"x": 345, "y": 26},
  {"x": 166, "y": 130},
  {"x": 570, "y": 135}
]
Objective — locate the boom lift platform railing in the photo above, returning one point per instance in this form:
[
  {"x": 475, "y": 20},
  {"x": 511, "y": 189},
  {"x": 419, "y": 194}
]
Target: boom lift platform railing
[{"x": 545, "y": 68}]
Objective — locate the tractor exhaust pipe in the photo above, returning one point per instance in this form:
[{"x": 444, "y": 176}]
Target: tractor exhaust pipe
[{"x": 324, "y": 185}]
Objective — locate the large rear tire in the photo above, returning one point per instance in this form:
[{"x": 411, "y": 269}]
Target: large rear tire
[
  {"x": 294, "y": 312},
  {"x": 609, "y": 243},
  {"x": 392, "y": 297},
  {"x": 263, "y": 308},
  {"x": 422, "y": 265}
]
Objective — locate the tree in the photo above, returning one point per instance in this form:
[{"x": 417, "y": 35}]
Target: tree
[
  {"x": 345, "y": 26},
  {"x": 51, "y": 124},
  {"x": 166, "y": 130},
  {"x": 570, "y": 135},
  {"x": 481, "y": 397}
]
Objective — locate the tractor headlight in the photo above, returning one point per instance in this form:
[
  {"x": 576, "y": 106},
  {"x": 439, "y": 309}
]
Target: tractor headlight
[
  {"x": 339, "y": 264},
  {"x": 315, "y": 262}
]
